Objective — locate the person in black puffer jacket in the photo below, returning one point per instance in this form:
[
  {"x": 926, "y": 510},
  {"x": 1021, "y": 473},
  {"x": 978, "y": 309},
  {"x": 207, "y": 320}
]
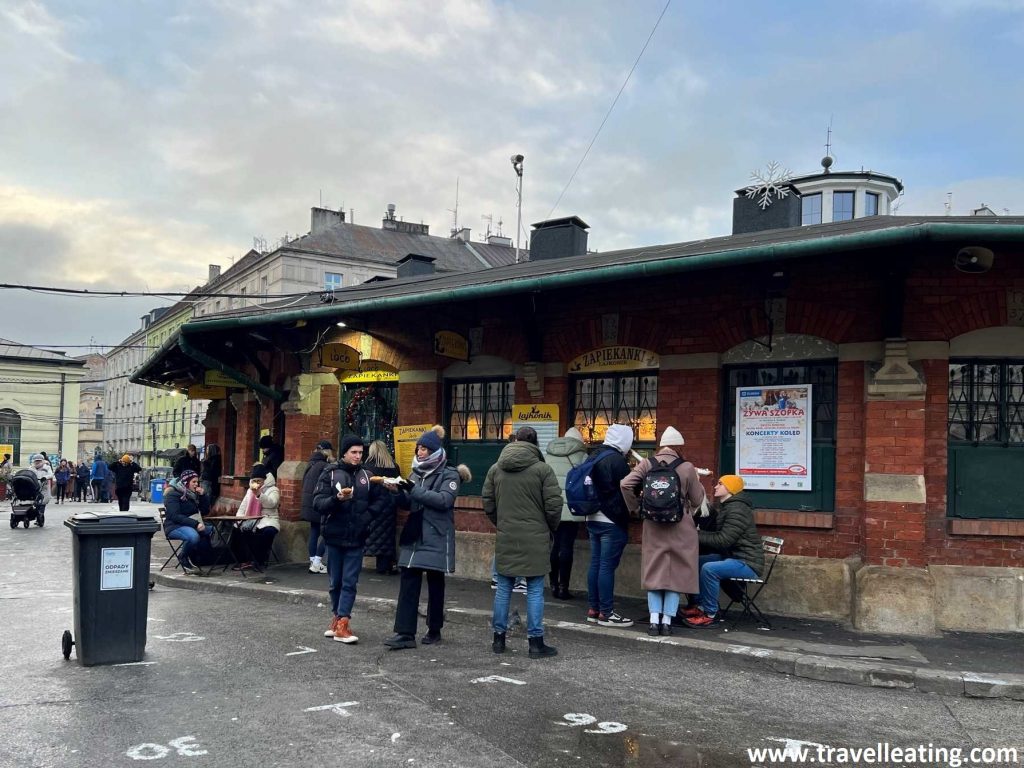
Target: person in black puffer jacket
[
  {"x": 380, "y": 539},
  {"x": 318, "y": 460},
  {"x": 737, "y": 552},
  {"x": 189, "y": 460},
  {"x": 184, "y": 502},
  {"x": 347, "y": 501}
]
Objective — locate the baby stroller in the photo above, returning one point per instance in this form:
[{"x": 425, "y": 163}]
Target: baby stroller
[{"x": 26, "y": 498}]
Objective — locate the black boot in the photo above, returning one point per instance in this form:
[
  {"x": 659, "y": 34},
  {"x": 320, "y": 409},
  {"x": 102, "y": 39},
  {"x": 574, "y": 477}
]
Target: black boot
[
  {"x": 498, "y": 646},
  {"x": 538, "y": 650}
]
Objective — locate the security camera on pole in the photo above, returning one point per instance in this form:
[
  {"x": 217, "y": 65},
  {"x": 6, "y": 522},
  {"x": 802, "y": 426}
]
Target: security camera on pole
[{"x": 517, "y": 165}]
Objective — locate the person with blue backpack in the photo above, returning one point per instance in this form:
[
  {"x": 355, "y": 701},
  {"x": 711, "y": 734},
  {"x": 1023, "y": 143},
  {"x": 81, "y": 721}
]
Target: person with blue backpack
[{"x": 592, "y": 491}]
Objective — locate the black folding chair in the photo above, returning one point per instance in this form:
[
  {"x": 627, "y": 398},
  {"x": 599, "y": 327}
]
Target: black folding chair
[
  {"x": 739, "y": 589},
  {"x": 174, "y": 544}
]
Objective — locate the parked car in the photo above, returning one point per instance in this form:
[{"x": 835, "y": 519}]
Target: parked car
[{"x": 151, "y": 473}]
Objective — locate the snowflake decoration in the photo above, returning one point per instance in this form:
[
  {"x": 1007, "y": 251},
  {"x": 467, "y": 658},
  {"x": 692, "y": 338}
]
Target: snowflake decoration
[{"x": 771, "y": 182}]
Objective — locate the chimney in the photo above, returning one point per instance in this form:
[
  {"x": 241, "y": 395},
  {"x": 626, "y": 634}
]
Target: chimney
[
  {"x": 414, "y": 265},
  {"x": 324, "y": 218},
  {"x": 462, "y": 235},
  {"x": 748, "y": 215},
  {"x": 558, "y": 238},
  {"x": 214, "y": 273},
  {"x": 394, "y": 224}
]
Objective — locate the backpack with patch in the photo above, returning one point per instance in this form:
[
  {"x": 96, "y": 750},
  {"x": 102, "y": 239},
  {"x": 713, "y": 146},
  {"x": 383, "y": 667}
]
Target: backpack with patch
[
  {"x": 660, "y": 499},
  {"x": 580, "y": 493}
]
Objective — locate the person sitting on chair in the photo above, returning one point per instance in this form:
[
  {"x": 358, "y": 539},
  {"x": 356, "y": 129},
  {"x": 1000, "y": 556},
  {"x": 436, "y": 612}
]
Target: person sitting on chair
[
  {"x": 184, "y": 505},
  {"x": 735, "y": 548},
  {"x": 254, "y": 540}
]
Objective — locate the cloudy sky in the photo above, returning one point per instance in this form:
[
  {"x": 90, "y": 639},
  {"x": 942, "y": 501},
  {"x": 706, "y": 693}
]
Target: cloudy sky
[{"x": 143, "y": 140}]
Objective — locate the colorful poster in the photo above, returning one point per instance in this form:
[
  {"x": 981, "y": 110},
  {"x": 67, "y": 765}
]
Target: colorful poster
[
  {"x": 773, "y": 437},
  {"x": 543, "y": 418}
]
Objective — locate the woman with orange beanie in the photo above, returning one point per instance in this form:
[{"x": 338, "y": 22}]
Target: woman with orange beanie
[{"x": 736, "y": 548}]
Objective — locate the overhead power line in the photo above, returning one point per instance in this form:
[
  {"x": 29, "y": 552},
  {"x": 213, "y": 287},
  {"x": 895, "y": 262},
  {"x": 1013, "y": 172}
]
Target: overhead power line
[
  {"x": 610, "y": 109},
  {"x": 155, "y": 294}
]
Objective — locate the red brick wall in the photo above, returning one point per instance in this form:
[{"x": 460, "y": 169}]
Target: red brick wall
[{"x": 419, "y": 403}]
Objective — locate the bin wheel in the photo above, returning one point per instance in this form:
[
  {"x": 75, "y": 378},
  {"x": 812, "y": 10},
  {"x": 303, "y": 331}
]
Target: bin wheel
[
  {"x": 25, "y": 523},
  {"x": 14, "y": 522},
  {"x": 65, "y": 644}
]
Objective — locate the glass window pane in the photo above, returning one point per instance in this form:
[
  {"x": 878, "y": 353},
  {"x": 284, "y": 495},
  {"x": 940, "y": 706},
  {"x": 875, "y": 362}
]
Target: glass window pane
[
  {"x": 811, "y": 209},
  {"x": 842, "y": 206},
  {"x": 871, "y": 204}
]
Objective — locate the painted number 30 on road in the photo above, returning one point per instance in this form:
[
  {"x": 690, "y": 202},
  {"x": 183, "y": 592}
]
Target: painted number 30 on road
[{"x": 574, "y": 719}]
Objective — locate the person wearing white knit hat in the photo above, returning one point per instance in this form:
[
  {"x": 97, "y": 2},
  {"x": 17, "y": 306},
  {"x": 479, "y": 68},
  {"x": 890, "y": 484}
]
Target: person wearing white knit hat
[{"x": 669, "y": 550}]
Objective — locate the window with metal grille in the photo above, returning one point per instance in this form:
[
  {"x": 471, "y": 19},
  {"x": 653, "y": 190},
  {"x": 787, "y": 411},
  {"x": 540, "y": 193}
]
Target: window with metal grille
[
  {"x": 619, "y": 398},
  {"x": 480, "y": 410},
  {"x": 986, "y": 401},
  {"x": 822, "y": 375}
]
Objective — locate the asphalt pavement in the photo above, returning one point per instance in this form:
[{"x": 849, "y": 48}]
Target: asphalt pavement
[{"x": 230, "y": 679}]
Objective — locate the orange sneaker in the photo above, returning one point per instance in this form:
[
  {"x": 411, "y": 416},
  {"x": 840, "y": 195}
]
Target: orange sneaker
[
  {"x": 343, "y": 634},
  {"x": 329, "y": 632},
  {"x": 692, "y": 612}
]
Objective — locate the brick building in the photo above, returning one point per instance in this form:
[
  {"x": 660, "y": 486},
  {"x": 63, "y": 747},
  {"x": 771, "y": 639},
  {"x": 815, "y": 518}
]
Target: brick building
[{"x": 905, "y": 336}]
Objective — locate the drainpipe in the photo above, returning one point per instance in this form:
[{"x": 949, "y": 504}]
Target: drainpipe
[
  {"x": 210, "y": 362},
  {"x": 60, "y": 418}
]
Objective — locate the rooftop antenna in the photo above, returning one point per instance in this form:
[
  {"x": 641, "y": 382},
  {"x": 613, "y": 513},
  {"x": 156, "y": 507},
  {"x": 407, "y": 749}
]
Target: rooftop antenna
[
  {"x": 949, "y": 203},
  {"x": 489, "y": 218},
  {"x": 455, "y": 211},
  {"x": 827, "y": 160}
]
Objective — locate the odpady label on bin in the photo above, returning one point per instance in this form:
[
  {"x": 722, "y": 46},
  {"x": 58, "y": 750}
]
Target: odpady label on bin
[{"x": 116, "y": 569}]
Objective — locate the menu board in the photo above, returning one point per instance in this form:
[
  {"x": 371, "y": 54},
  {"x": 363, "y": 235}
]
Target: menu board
[
  {"x": 773, "y": 437},
  {"x": 405, "y": 445}
]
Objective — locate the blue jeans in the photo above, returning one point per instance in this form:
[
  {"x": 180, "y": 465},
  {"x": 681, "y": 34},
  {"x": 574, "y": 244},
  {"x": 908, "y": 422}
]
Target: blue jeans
[
  {"x": 714, "y": 568},
  {"x": 343, "y": 567},
  {"x": 663, "y": 601},
  {"x": 191, "y": 538},
  {"x": 607, "y": 540},
  {"x": 317, "y": 546},
  {"x": 534, "y": 604},
  {"x": 494, "y": 571}
]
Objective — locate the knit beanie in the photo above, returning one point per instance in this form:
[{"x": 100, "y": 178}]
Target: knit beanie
[
  {"x": 731, "y": 483},
  {"x": 430, "y": 440},
  {"x": 187, "y": 475},
  {"x": 620, "y": 437},
  {"x": 266, "y": 441},
  {"x": 348, "y": 442},
  {"x": 671, "y": 436},
  {"x": 126, "y": 458},
  {"x": 325, "y": 445},
  {"x": 259, "y": 472}
]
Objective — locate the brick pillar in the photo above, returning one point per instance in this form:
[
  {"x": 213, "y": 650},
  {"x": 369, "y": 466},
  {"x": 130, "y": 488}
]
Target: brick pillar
[
  {"x": 419, "y": 402},
  {"x": 245, "y": 433}
]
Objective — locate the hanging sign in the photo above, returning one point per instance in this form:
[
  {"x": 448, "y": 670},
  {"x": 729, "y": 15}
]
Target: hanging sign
[
  {"x": 370, "y": 371},
  {"x": 617, "y": 358},
  {"x": 773, "y": 437},
  {"x": 405, "y": 445},
  {"x": 451, "y": 344},
  {"x": 339, "y": 356},
  {"x": 203, "y": 392},
  {"x": 218, "y": 379},
  {"x": 7, "y": 449},
  {"x": 543, "y": 418}
]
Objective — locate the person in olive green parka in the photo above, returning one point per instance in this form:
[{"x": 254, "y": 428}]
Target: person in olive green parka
[{"x": 522, "y": 498}]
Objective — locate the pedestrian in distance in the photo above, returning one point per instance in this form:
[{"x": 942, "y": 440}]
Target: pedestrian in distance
[
  {"x": 322, "y": 455},
  {"x": 273, "y": 454},
  {"x": 608, "y": 528},
  {"x": 562, "y": 454},
  {"x": 521, "y": 497},
  {"x": 209, "y": 474},
  {"x": 123, "y": 474},
  {"x": 189, "y": 460},
  {"x": 44, "y": 473},
  {"x": 62, "y": 477},
  {"x": 666, "y": 492},
  {"x": 380, "y": 539},
  {"x": 255, "y": 539},
  {"x": 346, "y": 500},
  {"x": 82, "y": 481},
  {"x": 98, "y": 478},
  {"x": 185, "y": 504},
  {"x": 735, "y": 548},
  {"x": 427, "y": 542}
]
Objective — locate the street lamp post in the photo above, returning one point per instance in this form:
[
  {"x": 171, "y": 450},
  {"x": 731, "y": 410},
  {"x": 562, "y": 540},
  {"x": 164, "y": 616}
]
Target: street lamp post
[
  {"x": 152, "y": 428},
  {"x": 517, "y": 166}
]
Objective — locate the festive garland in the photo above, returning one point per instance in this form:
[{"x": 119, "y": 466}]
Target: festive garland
[{"x": 384, "y": 422}]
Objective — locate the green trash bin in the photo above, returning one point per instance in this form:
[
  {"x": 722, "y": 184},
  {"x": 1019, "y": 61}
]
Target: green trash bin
[{"x": 110, "y": 570}]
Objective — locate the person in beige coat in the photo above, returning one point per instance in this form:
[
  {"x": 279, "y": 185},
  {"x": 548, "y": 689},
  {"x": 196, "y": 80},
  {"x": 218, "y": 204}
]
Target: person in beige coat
[
  {"x": 669, "y": 551},
  {"x": 262, "y": 500}
]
